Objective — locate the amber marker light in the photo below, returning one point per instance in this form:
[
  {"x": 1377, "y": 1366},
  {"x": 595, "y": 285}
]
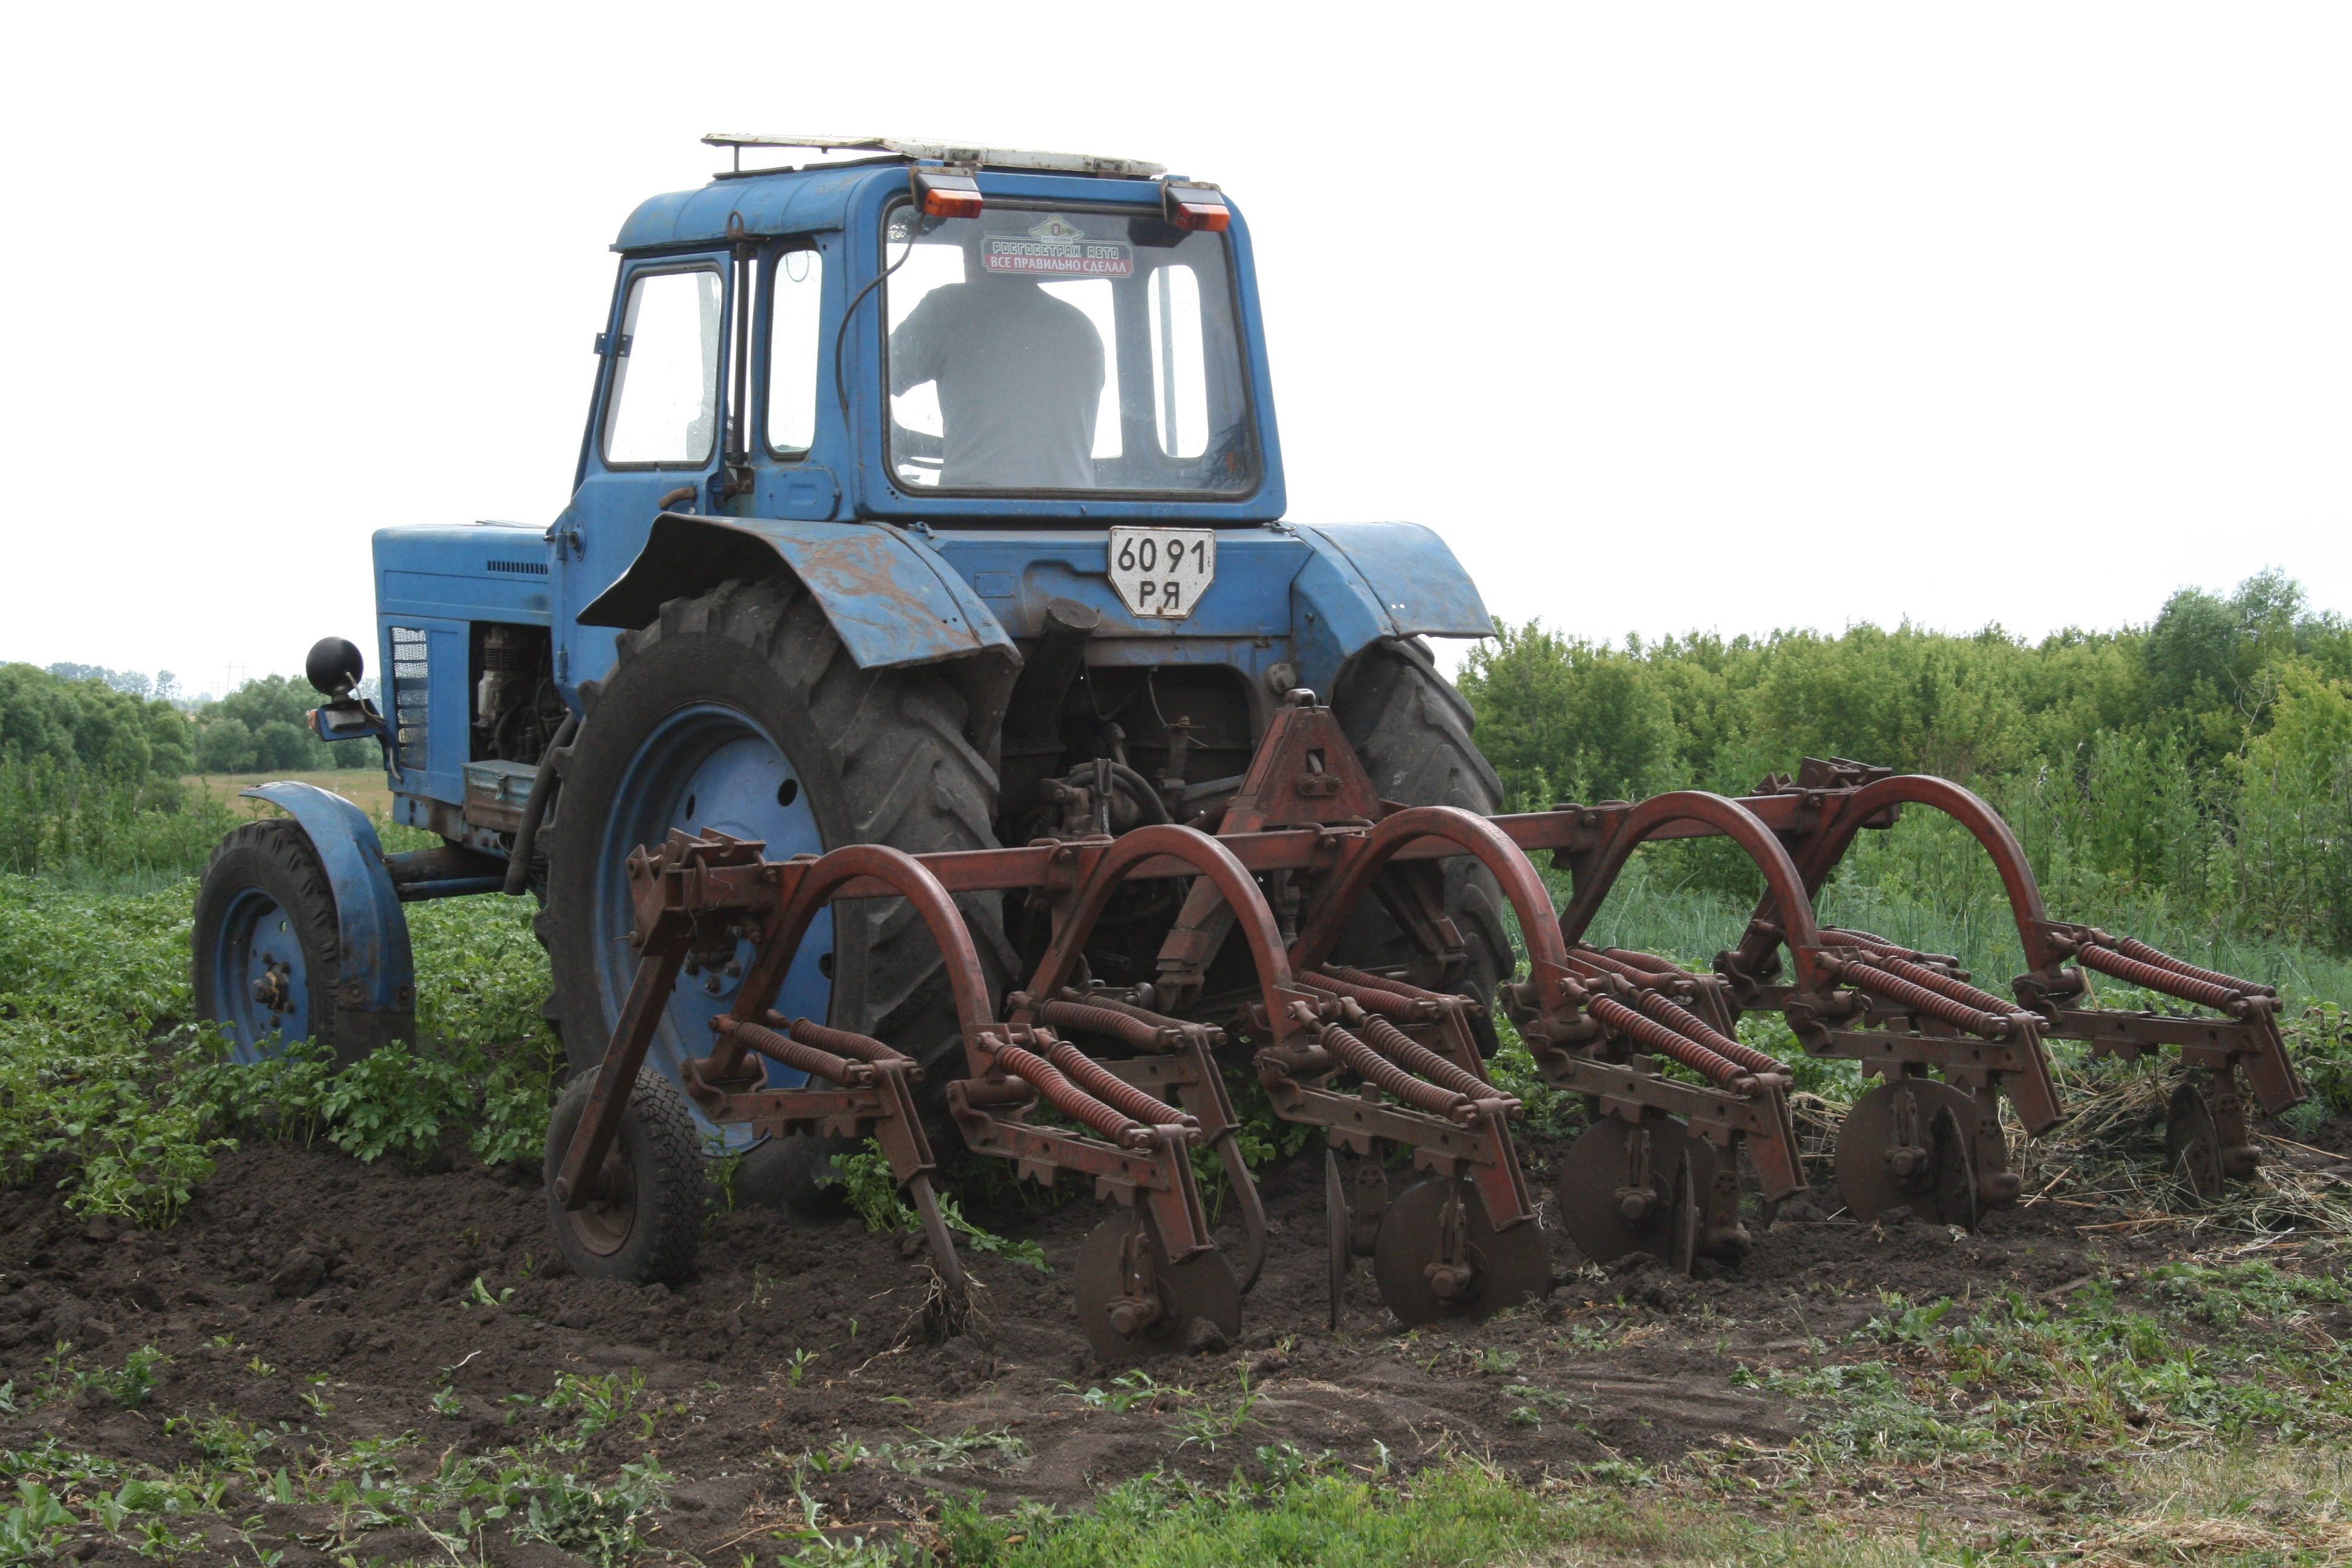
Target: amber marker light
[
  {"x": 1192, "y": 206},
  {"x": 944, "y": 194}
]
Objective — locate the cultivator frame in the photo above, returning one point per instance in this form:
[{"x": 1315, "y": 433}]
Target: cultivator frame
[{"x": 1387, "y": 1061}]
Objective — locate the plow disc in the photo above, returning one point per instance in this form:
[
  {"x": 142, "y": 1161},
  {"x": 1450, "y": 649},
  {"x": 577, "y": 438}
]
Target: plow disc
[
  {"x": 1133, "y": 1303},
  {"x": 1635, "y": 1187},
  {"x": 1910, "y": 1144},
  {"x": 1438, "y": 1257},
  {"x": 1123, "y": 1085}
]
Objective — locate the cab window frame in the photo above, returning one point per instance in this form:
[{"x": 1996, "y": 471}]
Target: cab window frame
[
  {"x": 1245, "y": 419},
  {"x": 614, "y": 386},
  {"x": 763, "y": 350}
]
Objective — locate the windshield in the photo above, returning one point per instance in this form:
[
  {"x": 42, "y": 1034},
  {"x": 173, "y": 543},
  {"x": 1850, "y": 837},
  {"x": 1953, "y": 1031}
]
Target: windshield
[{"x": 1064, "y": 349}]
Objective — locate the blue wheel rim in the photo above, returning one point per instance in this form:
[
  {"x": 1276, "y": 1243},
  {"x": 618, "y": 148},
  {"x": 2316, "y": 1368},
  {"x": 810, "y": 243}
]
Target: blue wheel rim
[
  {"x": 261, "y": 980},
  {"x": 701, "y": 768}
]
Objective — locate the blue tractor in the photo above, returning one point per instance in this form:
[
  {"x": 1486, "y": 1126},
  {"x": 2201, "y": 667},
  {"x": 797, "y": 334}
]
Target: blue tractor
[{"x": 929, "y": 497}]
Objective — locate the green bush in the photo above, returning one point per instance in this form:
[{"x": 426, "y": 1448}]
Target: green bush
[
  {"x": 2196, "y": 771},
  {"x": 262, "y": 726},
  {"x": 61, "y": 816}
]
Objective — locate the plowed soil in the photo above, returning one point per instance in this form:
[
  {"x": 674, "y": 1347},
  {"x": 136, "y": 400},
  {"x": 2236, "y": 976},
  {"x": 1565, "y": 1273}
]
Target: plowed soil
[{"x": 306, "y": 1263}]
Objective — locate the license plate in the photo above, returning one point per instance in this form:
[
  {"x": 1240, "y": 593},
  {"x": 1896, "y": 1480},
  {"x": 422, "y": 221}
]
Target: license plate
[{"x": 1161, "y": 573}]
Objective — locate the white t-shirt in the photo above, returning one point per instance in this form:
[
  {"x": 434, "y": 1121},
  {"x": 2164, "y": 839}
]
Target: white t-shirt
[{"x": 1020, "y": 377}]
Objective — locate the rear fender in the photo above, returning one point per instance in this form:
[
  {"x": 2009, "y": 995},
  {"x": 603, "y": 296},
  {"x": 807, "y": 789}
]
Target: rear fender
[
  {"x": 889, "y": 597},
  {"x": 1376, "y": 582},
  {"x": 375, "y": 993}
]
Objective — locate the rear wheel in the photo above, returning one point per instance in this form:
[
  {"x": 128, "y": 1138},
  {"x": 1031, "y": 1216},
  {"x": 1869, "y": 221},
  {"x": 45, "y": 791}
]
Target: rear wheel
[
  {"x": 740, "y": 710},
  {"x": 268, "y": 956},
  {"x": 1412, "y": 730}
]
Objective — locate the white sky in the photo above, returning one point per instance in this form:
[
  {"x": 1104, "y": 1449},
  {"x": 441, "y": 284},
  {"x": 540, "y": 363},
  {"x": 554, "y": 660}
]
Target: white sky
[{"x": 1664, "y": 315}]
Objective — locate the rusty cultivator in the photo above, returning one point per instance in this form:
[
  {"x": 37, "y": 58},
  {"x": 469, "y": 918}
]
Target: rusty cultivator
[{"x": 1123, "y": 1085}]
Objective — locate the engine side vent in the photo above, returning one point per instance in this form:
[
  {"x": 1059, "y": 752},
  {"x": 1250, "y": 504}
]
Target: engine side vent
[
  {"x": 411, "y": 694},
  {"x": 532, "y": 568}
]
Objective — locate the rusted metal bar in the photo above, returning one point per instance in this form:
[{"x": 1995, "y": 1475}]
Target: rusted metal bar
[
  {"x": 1413, "y": 1056},
  {"x": 2151, "y": 977},
  {"x": 2146, "y": 954},
  {"x": 1393, "y": 1080},
  {"x": 1126, "y": 1029},
  {"x": 841, "y": 1042},
  {"x": 1375, "y": 999},
  {"x": 616, "y": 1074},
  {"x": 1919, "y": 999},
  {"x": 1069, "y": 1098},
  {"x": 1691, "y": 1026}
]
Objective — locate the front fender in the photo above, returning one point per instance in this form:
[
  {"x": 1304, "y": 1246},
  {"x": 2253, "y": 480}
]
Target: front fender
[{"x": 375, "y": 993}]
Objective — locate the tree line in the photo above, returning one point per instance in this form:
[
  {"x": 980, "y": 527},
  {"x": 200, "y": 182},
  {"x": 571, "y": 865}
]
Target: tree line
[
  {"x": 131, "y": 728},
  {"x": 2206, "y": 755}
]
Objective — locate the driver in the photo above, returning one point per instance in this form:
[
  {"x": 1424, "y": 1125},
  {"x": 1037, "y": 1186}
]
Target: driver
[{"x": 1019, "y": 376}]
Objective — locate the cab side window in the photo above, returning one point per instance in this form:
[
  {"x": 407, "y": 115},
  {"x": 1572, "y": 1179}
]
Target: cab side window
[
  {"x": 794, "y": 320},
  {"x": 664, "y": 405}
]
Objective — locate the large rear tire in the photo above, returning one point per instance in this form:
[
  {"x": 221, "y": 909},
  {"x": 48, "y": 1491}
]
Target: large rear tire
[
  {"x": 1412, "y": 730},
  {"x": 741, "y": 711}
]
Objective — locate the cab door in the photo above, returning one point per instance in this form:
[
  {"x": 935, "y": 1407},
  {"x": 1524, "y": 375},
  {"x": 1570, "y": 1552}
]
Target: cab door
[{"x": 655, "y": 437}]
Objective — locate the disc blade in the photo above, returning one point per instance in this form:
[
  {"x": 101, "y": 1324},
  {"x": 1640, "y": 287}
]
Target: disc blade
[
  {"x": 1870, "y": 1186},
  {"x": 1952, "y": 1169},
  {"x": 1335, "y": 1221},
  {"x": 1598, "y": 1166},
  {"x": 1203, "y": 1286},
  {"x": 2192, "y": 1144},
  {"x": 1511, "y": 1266}
]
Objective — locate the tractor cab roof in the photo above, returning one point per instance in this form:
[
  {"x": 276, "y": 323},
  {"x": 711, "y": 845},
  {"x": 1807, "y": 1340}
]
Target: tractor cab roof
[
  {"x": 964, "y": 152},
  {"x": 798, "y": 199}
]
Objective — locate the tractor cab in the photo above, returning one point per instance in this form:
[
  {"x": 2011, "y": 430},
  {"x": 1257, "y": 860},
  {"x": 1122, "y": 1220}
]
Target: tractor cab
[{"x": 950, "y": 335}]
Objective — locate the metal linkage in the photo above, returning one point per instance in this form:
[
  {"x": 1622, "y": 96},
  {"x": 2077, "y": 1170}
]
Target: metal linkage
[
  {"x": 1828, "y": 804},
  {"x": 1179, "y": 1060}
]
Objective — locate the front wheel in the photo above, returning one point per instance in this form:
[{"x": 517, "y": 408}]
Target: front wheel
[{"x": 267, "y": 953}]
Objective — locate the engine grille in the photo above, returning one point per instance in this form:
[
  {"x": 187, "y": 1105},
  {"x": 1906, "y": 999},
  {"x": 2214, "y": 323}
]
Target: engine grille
[{"x": 411, "y": 694}]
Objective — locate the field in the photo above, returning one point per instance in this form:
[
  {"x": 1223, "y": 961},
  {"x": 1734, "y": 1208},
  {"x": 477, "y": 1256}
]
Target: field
[
  {"x": 363, "y": 787},
  {"x": 281, "y": 1316}
]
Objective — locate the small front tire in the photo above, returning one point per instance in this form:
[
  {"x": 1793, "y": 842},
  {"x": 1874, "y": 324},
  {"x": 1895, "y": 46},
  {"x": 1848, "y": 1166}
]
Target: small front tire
[
  {"x": 268, "y": 956},
  {"x": 652, "y": 1194}
]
